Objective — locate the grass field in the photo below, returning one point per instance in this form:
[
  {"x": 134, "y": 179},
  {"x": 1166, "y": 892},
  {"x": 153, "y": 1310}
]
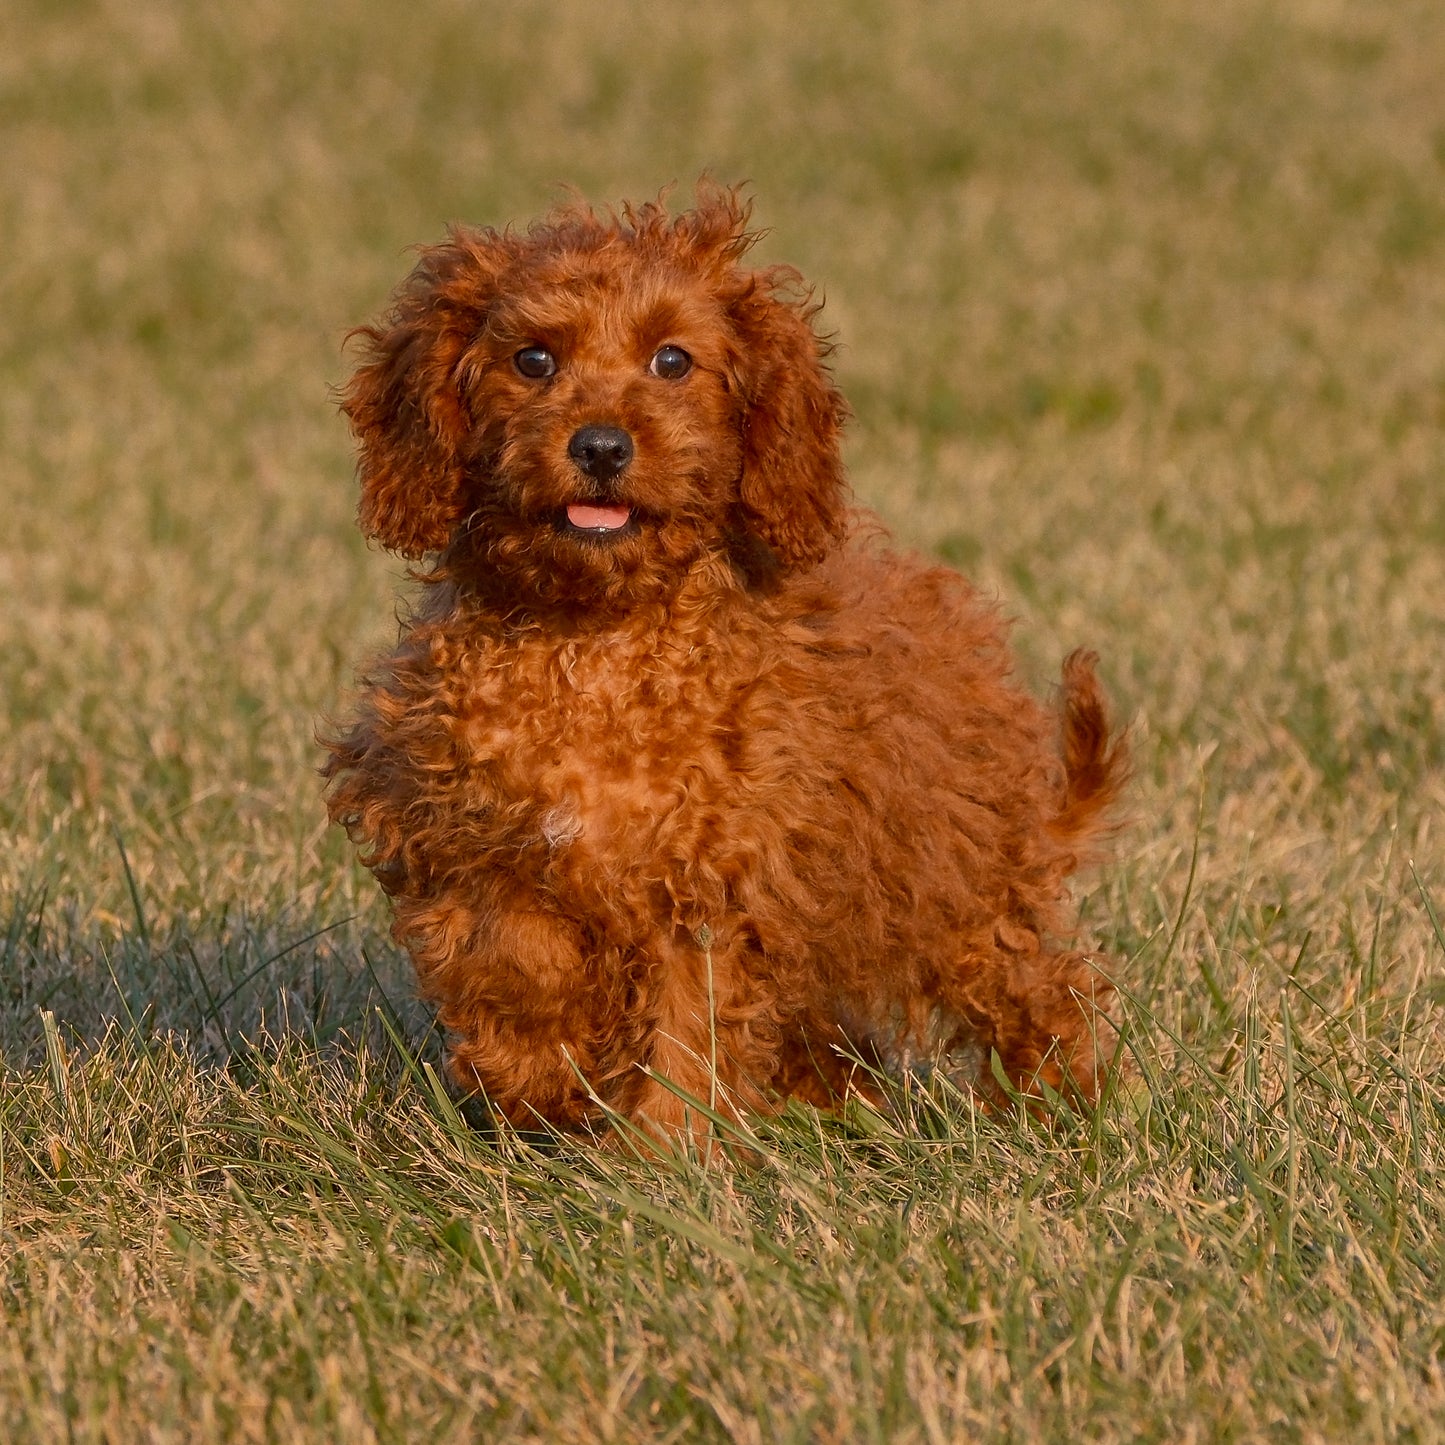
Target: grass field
[{"x": 1142, "y": 313}]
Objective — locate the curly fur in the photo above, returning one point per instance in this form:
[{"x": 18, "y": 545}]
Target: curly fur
[{"x": 728, "y": 796}]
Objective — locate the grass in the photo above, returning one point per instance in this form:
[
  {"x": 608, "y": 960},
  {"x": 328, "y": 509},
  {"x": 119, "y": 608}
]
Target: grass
[{"x": 1141, "y": 311}]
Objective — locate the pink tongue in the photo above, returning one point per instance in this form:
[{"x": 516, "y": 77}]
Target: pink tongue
[{"x": 598, "y": 519}]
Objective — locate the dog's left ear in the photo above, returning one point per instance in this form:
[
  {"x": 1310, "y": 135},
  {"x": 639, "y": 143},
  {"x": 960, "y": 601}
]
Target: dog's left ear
[
  {"x": 792, "y": 493},
  {"x": 405, "y": 401}
]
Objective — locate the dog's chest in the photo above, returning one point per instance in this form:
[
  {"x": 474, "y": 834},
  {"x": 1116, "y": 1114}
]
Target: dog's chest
[{"x": 587, "y": 751}]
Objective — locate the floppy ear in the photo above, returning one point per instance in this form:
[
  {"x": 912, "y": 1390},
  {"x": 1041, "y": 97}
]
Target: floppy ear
[
  {"x": 792, "y": 493},
  {"x": 405, "y": 402}
]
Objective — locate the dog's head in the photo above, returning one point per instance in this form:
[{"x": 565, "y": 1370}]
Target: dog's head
[{"x": 598, "y": 402}]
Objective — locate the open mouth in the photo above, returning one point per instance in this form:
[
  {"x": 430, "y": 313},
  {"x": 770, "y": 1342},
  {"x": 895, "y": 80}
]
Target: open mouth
[{"x": 600, "y": 520}]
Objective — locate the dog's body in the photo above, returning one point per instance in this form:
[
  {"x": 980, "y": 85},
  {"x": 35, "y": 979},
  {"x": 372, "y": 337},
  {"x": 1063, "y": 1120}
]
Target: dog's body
[{"x": 675, "y": 772}]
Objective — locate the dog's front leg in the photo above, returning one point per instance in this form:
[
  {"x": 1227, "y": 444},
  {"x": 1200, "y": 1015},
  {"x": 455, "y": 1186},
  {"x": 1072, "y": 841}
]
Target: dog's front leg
[
  {"x": 712, "y": 1050},
  {"x": 513, "y": 991}
]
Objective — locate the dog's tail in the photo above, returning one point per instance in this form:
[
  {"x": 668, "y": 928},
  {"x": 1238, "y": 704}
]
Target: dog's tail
[{"x": 1096, "y": 763}]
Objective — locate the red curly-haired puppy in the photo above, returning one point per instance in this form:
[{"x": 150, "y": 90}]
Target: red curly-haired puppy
[{"x": 681, "y": 784}]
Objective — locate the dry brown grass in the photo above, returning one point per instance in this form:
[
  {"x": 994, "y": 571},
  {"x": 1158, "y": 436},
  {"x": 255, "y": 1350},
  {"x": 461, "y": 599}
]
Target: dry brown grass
[{"x": 1143, "y": 318}]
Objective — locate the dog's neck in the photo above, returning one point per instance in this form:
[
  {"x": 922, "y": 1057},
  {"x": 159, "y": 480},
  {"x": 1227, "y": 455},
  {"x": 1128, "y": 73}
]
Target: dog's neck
[{"x": 459, "y": 586}]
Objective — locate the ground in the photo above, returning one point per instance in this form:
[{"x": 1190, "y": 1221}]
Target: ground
[{"x": 1142, "y": 316}]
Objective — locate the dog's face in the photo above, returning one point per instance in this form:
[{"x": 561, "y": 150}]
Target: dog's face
[
  {"x": 587, "y": 409},
  {"x": 606, "y": 437}
]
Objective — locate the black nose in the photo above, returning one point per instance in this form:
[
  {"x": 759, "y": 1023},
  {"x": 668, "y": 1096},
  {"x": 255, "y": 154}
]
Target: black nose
[{"x": 600, "y": 451}]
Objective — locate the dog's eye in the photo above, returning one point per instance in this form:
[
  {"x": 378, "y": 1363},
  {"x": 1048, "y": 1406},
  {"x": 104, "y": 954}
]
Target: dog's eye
[
  {"x": 536, "y": 362},
  {"x": 671, "y": 363}
]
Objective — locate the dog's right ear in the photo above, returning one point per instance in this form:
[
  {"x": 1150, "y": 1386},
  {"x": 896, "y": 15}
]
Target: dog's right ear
[{"x": 405, "y": 400}]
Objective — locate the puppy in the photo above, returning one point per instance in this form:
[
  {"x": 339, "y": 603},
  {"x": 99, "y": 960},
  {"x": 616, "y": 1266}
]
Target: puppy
[{"x": 686, "y": 789}]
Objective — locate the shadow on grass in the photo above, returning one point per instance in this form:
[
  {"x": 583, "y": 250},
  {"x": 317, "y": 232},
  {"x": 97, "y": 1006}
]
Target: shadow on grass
[{"x": 218, "y": 989}]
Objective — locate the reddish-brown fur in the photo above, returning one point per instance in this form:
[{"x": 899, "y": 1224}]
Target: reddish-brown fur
[{"x": 726, "y": 798}]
